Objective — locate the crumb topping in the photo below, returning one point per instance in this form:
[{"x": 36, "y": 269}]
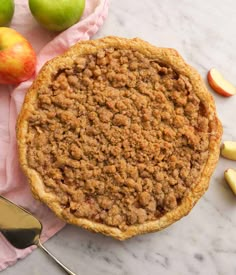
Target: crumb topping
[{"x": 120, "y": 139}]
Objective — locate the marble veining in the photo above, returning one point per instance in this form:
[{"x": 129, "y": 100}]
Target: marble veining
[{"x": 204, "y": 242}]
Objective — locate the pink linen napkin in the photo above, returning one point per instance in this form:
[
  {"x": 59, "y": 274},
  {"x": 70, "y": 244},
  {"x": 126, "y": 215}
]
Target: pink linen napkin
[{"x": 13, "y": 183}]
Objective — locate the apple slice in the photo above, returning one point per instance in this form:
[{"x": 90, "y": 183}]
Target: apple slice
[
  {"x": 219, "y": 84},
  {"x": 228, "y": 150},
  {"x": 230, "y": 177}
]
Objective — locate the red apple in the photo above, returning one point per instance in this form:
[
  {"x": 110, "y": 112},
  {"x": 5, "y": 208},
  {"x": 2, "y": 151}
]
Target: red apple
[
  {"x": 219, "y": 84},
  {"x": 17, "y": 57}
]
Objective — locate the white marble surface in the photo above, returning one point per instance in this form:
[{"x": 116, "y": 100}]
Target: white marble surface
[{"x": 205, "y": 241}]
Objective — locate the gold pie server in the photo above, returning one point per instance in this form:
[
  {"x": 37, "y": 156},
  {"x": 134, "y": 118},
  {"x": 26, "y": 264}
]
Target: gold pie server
[{"x": 22, "y": 229}]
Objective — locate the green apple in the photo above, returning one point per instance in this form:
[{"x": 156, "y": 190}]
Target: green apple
[
  {"x": 6, "y": 11},
  {"x": 57, "y": 15}
]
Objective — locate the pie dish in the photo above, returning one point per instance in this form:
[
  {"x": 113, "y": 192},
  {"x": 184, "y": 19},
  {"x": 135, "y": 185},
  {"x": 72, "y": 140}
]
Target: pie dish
[{"x": 118, "y": 136}]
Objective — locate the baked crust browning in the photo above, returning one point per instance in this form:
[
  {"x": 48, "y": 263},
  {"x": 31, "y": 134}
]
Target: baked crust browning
[{"x": 118, "y": 136}]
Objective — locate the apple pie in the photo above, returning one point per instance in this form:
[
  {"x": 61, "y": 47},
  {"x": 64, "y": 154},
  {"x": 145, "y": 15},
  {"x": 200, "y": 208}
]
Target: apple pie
[{"x": 118, "y": 136}]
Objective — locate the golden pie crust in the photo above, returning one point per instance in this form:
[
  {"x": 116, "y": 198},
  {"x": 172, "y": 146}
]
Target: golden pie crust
[{"x": 118, "y": 136}]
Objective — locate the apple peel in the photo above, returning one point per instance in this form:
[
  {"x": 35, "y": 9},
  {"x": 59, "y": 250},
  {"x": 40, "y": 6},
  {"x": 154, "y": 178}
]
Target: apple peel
[
  {"x": 219, "y": 84},
  {"x": 230, "y": 177}
]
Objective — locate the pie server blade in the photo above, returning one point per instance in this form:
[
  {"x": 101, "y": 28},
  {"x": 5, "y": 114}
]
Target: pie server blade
[{"x": 22, "y": 229}]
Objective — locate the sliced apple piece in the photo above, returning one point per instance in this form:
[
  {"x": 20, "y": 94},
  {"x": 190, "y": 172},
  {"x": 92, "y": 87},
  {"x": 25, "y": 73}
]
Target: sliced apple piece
[
  {"x": 219, "y": 84},
  {"x": 228, "y": 150},
  {"x": 230, "y": 177}
]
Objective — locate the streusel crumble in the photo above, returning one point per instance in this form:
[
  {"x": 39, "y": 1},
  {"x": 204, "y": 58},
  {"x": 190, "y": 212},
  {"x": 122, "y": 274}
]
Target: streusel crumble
[{"x": 119, "y": 136}]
